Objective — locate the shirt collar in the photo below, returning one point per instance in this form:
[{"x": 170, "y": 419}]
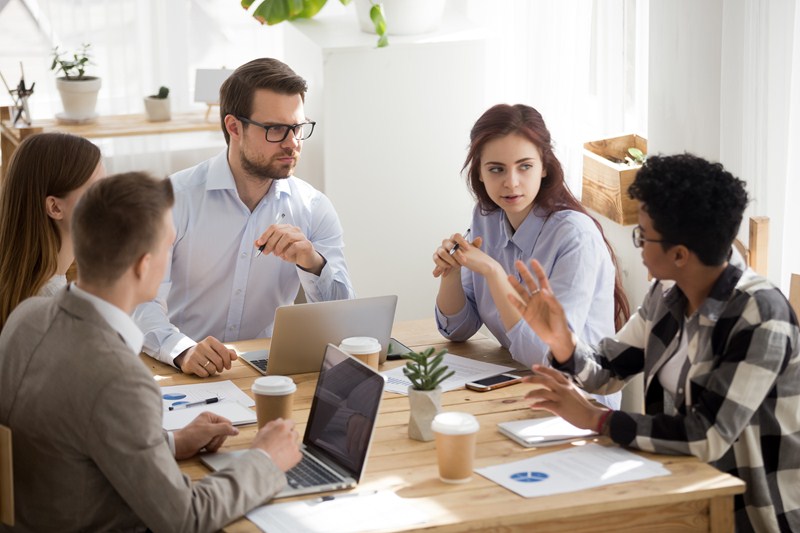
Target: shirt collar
[
  {"x": 528, "y": 232},
  {"x": 116, "y": 318},
  {"x": 219, "y": 173},
  {"x": 717, "y": 299},
  {"x": 220, "y": 177}
]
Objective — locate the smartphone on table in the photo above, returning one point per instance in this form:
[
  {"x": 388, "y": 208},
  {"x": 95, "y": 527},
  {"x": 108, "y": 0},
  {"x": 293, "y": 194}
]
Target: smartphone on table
[
  {"x": 396, "y": 350},
  {"x": 493, "y": 382}
]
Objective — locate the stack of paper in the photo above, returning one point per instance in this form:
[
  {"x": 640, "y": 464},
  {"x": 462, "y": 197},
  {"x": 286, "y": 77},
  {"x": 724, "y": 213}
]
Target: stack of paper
[
  {"x": 232, "y": 403},
  {"x": 542, "y": 431}
]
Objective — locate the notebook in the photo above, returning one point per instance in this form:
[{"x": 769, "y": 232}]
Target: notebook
[
  {"x": 547, "y": 431},
  {"x": 302, "y": 331},
  {"x": 339, "y": 429}
]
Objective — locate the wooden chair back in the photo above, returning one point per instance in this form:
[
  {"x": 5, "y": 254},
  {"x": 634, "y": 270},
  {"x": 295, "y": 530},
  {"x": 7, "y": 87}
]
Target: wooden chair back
[
  {"x": 6, "y": 478},
  {"x": 756, "y": 253},
  {"x": 794, "y": 294}
]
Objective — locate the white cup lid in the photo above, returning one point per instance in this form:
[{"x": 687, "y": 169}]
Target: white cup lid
[
  {"x": 360, "y": 345},
  {"x": 273, "y": 385},
  {"x": 454, "y": 423}
]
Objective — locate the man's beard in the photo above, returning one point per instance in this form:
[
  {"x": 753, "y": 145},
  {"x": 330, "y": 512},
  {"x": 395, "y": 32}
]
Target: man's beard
[{"x": 269, "y": 171}]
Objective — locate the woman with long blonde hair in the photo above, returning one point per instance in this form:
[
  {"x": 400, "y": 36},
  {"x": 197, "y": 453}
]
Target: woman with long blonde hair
[{"x": 47, "y": 175}]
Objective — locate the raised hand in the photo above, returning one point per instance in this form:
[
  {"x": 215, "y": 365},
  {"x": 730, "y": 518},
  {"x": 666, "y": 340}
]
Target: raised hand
[{"x": 539, "y": 307}]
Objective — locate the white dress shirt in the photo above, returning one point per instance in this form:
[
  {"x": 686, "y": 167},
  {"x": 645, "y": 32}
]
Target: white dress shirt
[
  {"x": 53, "y": 285},
  {"x": 215, "y": 285}
]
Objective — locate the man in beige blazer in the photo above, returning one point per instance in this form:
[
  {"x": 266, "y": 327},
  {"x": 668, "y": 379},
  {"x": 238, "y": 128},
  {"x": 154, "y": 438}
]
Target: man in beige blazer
[{"x": 89, "y": 451}]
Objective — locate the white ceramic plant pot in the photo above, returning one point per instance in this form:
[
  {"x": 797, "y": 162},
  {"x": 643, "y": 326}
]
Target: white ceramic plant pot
[
  {"x": 79, "y": 98},
  {"x": 403, "y": 17},
  {"x": 424, "y": 406},
  {"x": 157, "y": 109}
]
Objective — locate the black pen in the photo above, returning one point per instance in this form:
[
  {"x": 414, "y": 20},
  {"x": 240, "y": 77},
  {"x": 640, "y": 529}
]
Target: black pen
[
  {"x": 454, "y": 248},
  {"x": 277, "y": 219},
  {"x": 193, "y": 404}
]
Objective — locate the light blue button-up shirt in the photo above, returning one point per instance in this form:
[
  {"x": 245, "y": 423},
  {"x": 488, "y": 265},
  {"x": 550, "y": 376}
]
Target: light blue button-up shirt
[
  {"x": 574, "y": 257},
  {"x": 215, "y": 285}
]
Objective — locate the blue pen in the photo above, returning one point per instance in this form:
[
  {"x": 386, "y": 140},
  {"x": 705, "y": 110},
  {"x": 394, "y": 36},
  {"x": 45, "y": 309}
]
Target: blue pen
[
  {"x": 277, "y": 219},
  {"x": 454, "y": 248}
]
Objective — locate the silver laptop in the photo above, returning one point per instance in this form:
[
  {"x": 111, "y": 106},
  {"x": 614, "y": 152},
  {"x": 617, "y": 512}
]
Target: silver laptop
[
  {"x": 302, "y": 331},
  {"x": 339, "y": 430}
]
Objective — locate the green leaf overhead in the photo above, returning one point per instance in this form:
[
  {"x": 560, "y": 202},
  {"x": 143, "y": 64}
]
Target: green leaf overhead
[{"x": 273, "y": 12}]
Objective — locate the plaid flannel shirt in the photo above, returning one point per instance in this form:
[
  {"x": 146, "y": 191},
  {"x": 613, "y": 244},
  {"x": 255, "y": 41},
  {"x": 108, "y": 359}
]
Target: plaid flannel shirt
[{"x": 737, "y": 405}]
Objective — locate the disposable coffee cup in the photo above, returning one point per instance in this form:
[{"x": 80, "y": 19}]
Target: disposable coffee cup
[
  {"x": 366, "y": 349},
  {"x": 274, "y": 396},
  {"x": 456, "y": 435}
]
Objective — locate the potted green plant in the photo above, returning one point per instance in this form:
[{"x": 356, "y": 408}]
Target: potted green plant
[
  {"x": 157, "y": 105},
  {"x": 426, "y": 372},
  {"x": 276, "y": 11},
  {"x": 78, "y": 91}
]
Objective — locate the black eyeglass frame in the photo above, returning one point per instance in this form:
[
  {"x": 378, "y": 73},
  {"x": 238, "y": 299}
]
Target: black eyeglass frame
[
  {"x": 638, "y": 240},
  {"x": 289, "y": 127}
]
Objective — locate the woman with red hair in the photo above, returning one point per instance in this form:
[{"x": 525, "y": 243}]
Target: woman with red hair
[{"x": 524, "y": 211}]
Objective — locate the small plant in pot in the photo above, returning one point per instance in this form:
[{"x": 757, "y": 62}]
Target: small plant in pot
[
  {"x": 78, "y": 91},
  {"x": 157, "y": 106},
  {"x": 426, "y": 372}
]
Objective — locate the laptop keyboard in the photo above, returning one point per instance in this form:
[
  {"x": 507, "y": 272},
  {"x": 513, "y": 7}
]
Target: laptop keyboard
[
  {"x": 308, "y": 473},
  {"x": 260, "y": 363}
]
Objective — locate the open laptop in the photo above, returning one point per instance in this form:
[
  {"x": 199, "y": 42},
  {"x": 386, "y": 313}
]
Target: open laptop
[
  {"x": 339, "y": 430},
  {"x": 302, "y": 331}
]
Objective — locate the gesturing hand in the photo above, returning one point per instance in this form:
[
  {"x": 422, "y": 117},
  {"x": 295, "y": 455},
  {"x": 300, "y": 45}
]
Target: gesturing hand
[
  {"x": 559, "y": 395},
  {"x": 289, "y": 243},
  {"x": 541, "y": 310},
  {"x": 446, "y": 262}
]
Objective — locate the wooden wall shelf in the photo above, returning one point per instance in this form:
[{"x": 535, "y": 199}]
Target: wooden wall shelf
[{"x": 104, "y": 127}]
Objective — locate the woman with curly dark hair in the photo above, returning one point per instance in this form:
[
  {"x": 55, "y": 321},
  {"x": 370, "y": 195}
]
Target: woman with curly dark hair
[
  {"x": 718, "y": 348},
  {"x": 524, "y": 211}
]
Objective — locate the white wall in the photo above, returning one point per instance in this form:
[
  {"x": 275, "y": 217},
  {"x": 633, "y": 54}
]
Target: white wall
[
  {"x": 393, "y": 126},
  {"x": 722, "y": 86}
]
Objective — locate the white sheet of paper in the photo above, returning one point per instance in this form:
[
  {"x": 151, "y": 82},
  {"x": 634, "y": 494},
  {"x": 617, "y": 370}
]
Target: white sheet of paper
[
  {"x": 466, "y": 370},
  {"x": 345, "y": 513},
  {"x": 578, "y": 468},
  {"x": 235, "y": 412}
]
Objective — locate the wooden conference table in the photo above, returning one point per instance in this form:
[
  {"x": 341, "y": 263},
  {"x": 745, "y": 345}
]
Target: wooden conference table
[{"x": 696, "y": 497}]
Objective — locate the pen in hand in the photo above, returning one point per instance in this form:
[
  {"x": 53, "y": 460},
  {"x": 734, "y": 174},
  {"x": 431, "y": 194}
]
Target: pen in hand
[
  {"x": 194, "y": 404},
  {"x": 277, "y": 219},
  {"x": 454, "y": 248}
]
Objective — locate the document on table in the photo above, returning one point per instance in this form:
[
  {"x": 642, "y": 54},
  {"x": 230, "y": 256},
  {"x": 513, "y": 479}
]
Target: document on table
[
  {"x": 340, "y": 513},
  {"x": 233, "y": 403},
  {"x": 466, "y": 370},
  {"x": 579, "y": 468}
]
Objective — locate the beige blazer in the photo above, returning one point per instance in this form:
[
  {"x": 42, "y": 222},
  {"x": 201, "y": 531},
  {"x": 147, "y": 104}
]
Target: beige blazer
[{"x": 89, "y": 450}]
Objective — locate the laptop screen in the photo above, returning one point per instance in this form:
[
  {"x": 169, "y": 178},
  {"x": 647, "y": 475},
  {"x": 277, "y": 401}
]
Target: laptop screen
[{"x": 344, "y": 410}]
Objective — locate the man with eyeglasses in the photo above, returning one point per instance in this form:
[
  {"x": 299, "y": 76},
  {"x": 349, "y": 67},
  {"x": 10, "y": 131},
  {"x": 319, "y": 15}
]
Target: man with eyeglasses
[
  {"x": 249, "y": 233},
  {"x": 719, "y": 349}
]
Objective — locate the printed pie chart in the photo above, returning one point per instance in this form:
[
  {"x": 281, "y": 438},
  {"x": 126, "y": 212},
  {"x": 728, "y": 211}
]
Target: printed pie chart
[{"x": 529, "y": 477}]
